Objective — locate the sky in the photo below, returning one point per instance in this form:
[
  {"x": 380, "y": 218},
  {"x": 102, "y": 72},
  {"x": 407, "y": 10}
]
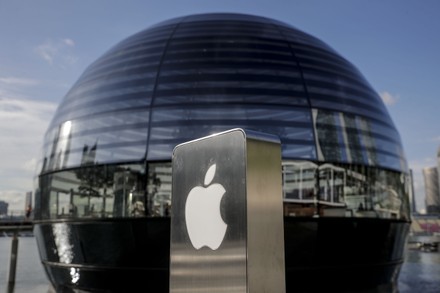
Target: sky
[{"x": 45, "y": 45}]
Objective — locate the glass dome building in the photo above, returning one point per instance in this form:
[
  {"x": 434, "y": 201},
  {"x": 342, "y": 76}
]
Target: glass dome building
[{"x": 103, "y": 184}]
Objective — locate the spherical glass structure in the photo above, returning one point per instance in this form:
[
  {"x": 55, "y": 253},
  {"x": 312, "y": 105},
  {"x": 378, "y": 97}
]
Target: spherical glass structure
[{"x": 107, "y": 152}]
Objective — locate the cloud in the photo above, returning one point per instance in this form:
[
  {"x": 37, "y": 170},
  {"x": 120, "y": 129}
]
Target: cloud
[
  {"x": 69, "y": 42},
  {"x": 388, "y": 98},
  {"x": 14, "y": 198},
  {"x": 47, "y": 51},
  {"x": 22, "y": 126},
  {"x": 18, "y": 81},
  {"x": 58, "y": 50},
  {"x": 23, "y": 122}
]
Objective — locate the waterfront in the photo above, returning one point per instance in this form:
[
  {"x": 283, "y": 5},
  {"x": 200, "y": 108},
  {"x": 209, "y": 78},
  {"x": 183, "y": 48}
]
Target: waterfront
[
  {"x": 420, "y": 273},
  {"x": 30, "y": 276}
]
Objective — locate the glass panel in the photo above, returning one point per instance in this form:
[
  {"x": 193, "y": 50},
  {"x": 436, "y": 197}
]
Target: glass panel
[
  {"x": 295, "y": 36},
  {"x": 94, "y": 192},
  {"x": 343, "y": 190},
  {"x": 326, "y": 64},
  {"x": 159, "y": 189},
  {"x": 299, "y": 188},
  {"x": 347, "y": 138},
  {"x": 328, "y": 136},
  {"x": 332, "y": 181},
  {"x": 105, "y": 138},
  {"x": 354, "y": 145},
  {"x": 334, "y": 80},
  {"x": 252, "y": 34},
  {"x": 171, "y": 126},
  {"x": 145, "y": 54},
  {"x": 309, "y": 190}
]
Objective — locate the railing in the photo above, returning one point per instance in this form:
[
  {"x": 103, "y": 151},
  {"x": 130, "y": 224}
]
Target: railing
[
  {"x": 13, "y": 228},
  {"x": 16, "y": 221},
  {"x": 16, "y": 226}
]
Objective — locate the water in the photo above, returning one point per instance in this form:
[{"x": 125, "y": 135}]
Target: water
[
  {"x": 30, "y": 276},
  {"x": 420, "y": 272}
]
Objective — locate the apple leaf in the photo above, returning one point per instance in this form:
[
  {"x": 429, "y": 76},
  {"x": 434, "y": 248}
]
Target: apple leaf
[{"x": 210, "y": 174}]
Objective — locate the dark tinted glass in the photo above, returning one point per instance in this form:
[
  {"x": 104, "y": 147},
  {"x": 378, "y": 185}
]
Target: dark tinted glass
[{"x": 192, "y": 76}]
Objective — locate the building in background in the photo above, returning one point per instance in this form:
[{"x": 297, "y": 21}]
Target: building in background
[
  {"x": 432, "y": 199},
  {"x": 3, "y": 207},
  {"x": 104, "y": 178},
  {"x": 28, "y": 204},
  {"x": 412, "y": 195},
  {"x": 431, "y": 178},
  {"x": 438, "y": 173}
]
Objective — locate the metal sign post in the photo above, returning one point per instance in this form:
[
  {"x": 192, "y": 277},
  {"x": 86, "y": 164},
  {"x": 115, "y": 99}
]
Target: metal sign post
[{"x": 227, "y": 230}]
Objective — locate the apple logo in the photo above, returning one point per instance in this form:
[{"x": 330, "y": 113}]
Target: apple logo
[{"x": 204, "y": 222}]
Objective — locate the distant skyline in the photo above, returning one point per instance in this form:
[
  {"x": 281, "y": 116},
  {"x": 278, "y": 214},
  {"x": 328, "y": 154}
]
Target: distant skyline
[{"x": 47, "y": 44}]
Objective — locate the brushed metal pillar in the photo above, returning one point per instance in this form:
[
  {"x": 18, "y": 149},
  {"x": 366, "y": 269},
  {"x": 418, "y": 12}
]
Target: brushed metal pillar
[{"x": 227, "y": 230}]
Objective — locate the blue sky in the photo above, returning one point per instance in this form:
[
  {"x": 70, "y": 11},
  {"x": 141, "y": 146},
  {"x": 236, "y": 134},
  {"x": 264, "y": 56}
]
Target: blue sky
[{"x": 45, "y": 45}]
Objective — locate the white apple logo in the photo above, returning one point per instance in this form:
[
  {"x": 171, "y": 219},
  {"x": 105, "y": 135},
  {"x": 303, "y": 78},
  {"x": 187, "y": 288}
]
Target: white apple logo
[{"x": 204, "y": 222}]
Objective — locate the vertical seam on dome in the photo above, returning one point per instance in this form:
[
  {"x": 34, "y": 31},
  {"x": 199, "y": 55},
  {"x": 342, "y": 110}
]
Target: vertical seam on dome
[
  {"x": 297, "y": 63},
  {"x": 153, "y": 97},
  {"x": 304, "y": 85}
]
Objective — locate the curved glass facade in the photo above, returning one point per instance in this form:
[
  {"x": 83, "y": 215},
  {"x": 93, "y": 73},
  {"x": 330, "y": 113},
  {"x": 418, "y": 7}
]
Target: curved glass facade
[{"x": 108, "y": 149}]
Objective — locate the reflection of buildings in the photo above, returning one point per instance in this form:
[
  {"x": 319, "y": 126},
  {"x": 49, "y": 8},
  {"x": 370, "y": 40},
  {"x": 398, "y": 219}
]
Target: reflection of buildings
[
  {"x": 102, "y": 212},
  {"x": 60, "y": 138},
  {"x": 331, "y": 190}
]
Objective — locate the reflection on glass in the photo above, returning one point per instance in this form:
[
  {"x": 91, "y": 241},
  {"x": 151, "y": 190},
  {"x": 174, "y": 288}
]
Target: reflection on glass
[
  {"x": 310, "y": 189},
  {"x": 342, "y": 190},
  {"x": 353, "y": 139},
  {"x": 61, "y": 233},
  {"x": 94, "y": 191},
  {"x": 74, "y": 275},
  {"x": 159, "y": 189}
]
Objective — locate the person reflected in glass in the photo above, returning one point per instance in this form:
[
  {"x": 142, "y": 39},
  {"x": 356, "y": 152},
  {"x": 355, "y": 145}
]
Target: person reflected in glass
[{"x": 138, "y": 209}]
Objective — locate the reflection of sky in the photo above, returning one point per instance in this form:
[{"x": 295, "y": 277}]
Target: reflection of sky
[{"x": 61, "y": 233}]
